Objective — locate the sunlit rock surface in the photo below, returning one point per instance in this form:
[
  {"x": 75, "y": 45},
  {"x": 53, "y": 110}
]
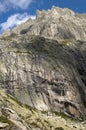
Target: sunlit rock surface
[
  {"x": 45, "y": 74},
  {"x": 56, "y": 23},
  {"x": 43, "y": 65}
]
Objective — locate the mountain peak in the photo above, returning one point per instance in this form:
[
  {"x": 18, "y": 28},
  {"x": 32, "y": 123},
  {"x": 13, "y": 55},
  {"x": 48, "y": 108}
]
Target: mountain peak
[
  {"x": 47, "y": 75},
  {"x": 57, "y": 23},
  {"x": 55, "y": 12}
]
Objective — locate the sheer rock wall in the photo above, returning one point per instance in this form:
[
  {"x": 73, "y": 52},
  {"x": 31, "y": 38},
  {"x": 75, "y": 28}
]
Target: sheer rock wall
[{"x": 45, "y": 74}]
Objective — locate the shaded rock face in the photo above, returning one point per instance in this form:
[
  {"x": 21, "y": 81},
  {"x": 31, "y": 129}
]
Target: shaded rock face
[
  {"x": 56, "y": 23},
  {"x": 17, "y": 116},
  {"x": 45, "y": 74}
]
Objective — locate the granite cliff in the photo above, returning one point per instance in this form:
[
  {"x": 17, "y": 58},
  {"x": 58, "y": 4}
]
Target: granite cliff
[
  {"x": 43, "y": 63},
  {"x": 56, "y": 23}
]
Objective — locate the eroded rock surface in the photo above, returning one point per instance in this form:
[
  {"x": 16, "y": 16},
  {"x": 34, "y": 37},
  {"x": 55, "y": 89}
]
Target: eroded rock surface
[
  {"x": 17, "y": 116},
  {"x": 56, "y": 23},
  {"x": 46, "y": 74}
]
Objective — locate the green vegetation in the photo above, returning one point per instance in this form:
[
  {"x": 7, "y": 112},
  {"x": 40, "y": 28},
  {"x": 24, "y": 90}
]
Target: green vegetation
[
  {"x": 59, "y": 128},
  {"x": 50, "y": 51},
  {"x": 4, "y": 119}
]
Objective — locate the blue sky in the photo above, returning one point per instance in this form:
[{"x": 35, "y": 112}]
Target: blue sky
[{"x": 14, "y": 12}]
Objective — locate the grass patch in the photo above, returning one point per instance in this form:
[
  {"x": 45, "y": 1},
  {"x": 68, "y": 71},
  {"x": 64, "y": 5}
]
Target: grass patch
[
  {"x": 4, "y": 119},
  {"x": 14, "y": 99}
]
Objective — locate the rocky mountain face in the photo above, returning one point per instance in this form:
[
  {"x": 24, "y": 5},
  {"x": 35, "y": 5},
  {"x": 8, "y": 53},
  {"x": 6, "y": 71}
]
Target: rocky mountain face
[
  {"x": 17, "y": 116},
  {"x": 43, "y": 65},
  {"x": 56, "y": 23}
]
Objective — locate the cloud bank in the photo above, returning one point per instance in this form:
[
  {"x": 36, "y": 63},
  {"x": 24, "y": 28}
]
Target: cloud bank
[
  {"x": 8, "y": 4},
  {"x": 14, "y": 20},
  {"x": 20, "y": 3},
  {"x": 2, "y": 7}
]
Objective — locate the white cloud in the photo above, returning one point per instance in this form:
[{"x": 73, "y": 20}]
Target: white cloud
[
  {"x": 8, "y": 4},
  {"x": 20, "y": 3},
  {"x": 15, "y": 20},
  {"x": 2, "y": 7}
]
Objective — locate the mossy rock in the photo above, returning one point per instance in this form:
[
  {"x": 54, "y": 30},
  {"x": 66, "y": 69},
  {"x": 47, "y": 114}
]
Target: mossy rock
[
  {"x": 4, "y": 119},
  {"x": 59, "y": 128}
]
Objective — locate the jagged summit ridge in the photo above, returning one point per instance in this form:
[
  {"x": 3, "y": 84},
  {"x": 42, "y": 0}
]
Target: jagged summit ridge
[
  {"x": 42, "y": 79},
  {"x": 49, "y": 75},
  {"x": 55, "y": 12},
  {"x": 56, "y": 23}
]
